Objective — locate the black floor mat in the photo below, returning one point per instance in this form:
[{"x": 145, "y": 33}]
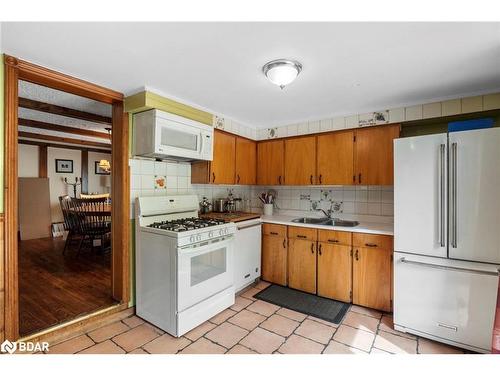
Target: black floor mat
[{"x": 310, "y": 304}]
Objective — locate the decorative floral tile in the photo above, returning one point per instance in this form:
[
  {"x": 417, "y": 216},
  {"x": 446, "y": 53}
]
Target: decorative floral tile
[
  {"x": 272, "y": 133},
  {"x": 219, "y": 122},
  {"x": 160, "y": 182}
]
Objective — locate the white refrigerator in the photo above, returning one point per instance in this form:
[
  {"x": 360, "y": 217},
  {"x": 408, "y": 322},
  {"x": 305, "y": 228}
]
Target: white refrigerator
[{"x": 447, "y": 236}]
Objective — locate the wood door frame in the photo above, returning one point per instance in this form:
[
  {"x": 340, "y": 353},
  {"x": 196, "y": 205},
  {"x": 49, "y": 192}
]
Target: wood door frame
[{"x": 15, "y": 70}]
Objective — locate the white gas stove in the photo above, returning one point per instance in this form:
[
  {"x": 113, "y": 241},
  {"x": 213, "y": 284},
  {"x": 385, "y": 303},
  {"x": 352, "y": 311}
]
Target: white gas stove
[{"x": 184, "y": 264}]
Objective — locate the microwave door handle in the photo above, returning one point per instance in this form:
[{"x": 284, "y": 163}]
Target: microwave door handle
[{"x": 201, "y": 143}]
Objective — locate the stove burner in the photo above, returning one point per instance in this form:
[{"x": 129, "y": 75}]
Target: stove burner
[{"x": 182, "y": 225}]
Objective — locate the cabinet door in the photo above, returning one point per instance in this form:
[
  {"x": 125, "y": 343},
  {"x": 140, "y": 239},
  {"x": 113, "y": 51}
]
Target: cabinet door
[
  {"x": 274, "y": 258},
  {"x": 300, "y": 161},
  {"x": 270, "y": 162},
  {"x": 302, "y": 265},
  {"x": 222, "y": 166},
  {"x": 246, "y": 161},
  {"x": 373, "y": 155},
  {"x": 335, "y": 158},
  {"x": 371, "y": 276},
  {"x": 334, "y": 271}
]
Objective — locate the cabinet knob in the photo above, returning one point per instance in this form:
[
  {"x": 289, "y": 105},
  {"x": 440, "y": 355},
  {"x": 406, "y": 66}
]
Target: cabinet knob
[
  {"x": 238, "y": 179},
  {"x": 356, "y": 256},
  {"x": 311, "y": 179},
  {"x": 284, "y": 243},
  {"x": 213, "y": 177},
  {"x": 319, "y": 249},
  {"x": 320, "y": 179},
  {"x": 312, "y": 248},
  {"x": 359, "y": 178},
  {"x": 279, "y": 180}
]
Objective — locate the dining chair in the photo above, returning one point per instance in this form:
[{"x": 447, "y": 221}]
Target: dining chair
[
  {"x": 92, "y": 196},
  {"x": 70, "y": 223},
  {"x": 94, "y": 220}
]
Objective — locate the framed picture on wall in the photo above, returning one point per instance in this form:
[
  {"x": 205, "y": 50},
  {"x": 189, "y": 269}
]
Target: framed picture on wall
[
  {"x": 64, "y": 166},
  {"x": 100, "y": 170}
]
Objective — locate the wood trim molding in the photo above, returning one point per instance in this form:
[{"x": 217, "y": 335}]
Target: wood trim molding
[
  {"x": 55, "y": 138},
  {"x": 85, "y": 171},
  {"x": 50, "y": 78},
  {"x": 10, "y": 195},
  {"x": 61, "y": 128},
  {"x": 63, "y": 111},
  {"x": 58, "y": 145},
  {"x": 120, "y": 191},
  {"x": 42, "y": 161}
]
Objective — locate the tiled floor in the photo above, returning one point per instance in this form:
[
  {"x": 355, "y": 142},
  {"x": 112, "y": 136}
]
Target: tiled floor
[{"x": 251, "y": 327}]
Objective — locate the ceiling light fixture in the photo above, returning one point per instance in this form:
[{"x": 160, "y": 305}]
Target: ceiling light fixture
[{"x": 281, "y": 72}]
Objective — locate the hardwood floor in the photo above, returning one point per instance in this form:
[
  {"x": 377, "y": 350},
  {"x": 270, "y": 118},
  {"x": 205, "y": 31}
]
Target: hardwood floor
[{"x": 54, "y": 288}]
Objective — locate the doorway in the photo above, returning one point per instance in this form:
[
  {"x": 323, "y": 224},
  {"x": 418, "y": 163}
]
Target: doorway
[{"x": 65, "y": 271}]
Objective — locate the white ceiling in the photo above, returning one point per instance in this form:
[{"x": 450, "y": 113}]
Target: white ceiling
[{"x": 347, "y": 67}]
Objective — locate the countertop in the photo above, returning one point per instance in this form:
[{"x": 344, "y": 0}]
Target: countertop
[
  {"x": 363, "y": 227},
  {"x": 232, "y": 217}
]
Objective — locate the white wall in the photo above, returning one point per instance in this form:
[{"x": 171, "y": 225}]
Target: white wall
[
  {"x": 56, "y": 185},
  {"x": 98, "y": 183},
  {"x": 27, "y": 161}
]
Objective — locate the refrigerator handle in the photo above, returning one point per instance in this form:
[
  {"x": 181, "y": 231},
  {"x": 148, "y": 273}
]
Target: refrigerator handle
[
  {"x": 442, "y": 150},
  {"x": 454, "y": 195},
  {"x": 449, "y": 268}
]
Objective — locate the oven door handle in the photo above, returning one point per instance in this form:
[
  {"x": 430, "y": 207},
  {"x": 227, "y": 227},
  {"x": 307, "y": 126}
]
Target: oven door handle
[{"x": 200, "y": 249}]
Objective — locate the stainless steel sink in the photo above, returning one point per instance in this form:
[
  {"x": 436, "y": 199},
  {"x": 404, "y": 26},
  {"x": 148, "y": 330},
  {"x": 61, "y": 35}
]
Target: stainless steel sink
[
  {"x": 312, "y": 220},
  {"x": 325, "y": 221}
]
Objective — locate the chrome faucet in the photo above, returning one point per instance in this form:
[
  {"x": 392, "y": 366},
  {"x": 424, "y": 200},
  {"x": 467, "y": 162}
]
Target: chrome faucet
[{"x": 334, "y": 207}]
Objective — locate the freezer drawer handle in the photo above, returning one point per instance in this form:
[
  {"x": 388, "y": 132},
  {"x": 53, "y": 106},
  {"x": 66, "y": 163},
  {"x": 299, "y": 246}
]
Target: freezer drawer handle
[
  {"x": 453, "y": 328},
  {"x": 438, "y": 266}
]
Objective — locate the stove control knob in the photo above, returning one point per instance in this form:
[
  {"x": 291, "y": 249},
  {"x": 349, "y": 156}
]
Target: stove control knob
[
  {"x": 221, "y": 232},
  {"x": 191, "y": 239},
  {"x": 198, "y": 237},
  {"x": 210, "y": 234}
]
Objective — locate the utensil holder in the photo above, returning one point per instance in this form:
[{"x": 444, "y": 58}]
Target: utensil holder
[{"x": 268, "y": 209}]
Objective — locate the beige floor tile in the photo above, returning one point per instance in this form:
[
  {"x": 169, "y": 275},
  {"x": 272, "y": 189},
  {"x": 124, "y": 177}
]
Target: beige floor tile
[
  {"x": 262, "y": 341},
  {"x": 315, "y": 331},
  {"x": 105, "y": 347},
  {"x": 335, "y": 347},
  {"x": 387, "y": 325},
  {"x": 72, "y": 345},
  {"x": 240, "y": 303},
  {"x": 262, "y": 285},
  {"x": 360, "y": 321},
  {"x": 294, "y": 315},
  {"x": 222, "y": 316},
  {"x": 166, "y": 344},
  {"x": 432, "y": 347},
  {"x": 250, "y": 293},
  {"x": 199, "y": 331},
  {"x": 263, "y": 308},
  {"x": 240, "y": 349},
  {"x": 106, "y": 332},
  {"x": 280, "y": 325},
  {"x": 247, "y": 319},
  {"x": 366, "y": 311},
  {"x": 300, "y": 345},
  {"x": 138, "y": 351},
  {"x": 203, "y": 346},
  {"x": 325, "y": 322},
  {"x": 133, "y": 321},
  {"x": 354, "y": 337},
  {"x": 136, "y": 337},
  {"x": 395, "y": 344},
  {"x": 226, "y": 334}
]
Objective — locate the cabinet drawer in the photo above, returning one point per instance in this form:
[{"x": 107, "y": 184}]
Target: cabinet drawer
[
  {"x": 335, "y": 237},
  {"x": 303, "y": 233},
  {"x": 372, "y": 240},
  {"x": 274, "y": 229}
]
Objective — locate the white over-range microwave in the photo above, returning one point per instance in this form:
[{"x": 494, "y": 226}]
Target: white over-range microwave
[{"x": 162, "y": 135}]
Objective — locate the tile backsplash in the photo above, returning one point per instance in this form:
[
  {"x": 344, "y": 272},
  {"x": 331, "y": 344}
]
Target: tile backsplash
[{"x": 149, "y": 178}]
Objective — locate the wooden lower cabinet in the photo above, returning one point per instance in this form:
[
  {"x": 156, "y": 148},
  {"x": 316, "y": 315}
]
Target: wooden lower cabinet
[
  {"x": 302, "y": 265},
  {"x": 335, "y": 271},
  {"x": 371, "y": 274},
  {"x": 274, "y": 259}
]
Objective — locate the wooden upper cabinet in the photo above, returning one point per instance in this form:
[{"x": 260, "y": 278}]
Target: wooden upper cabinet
[
  {"x": 300, "y": 161},
  {"x": 372, "y": 274},
  {"x": 335, "y": 158},
  {"x": 373, "y": 155},
  {"x": 246, "y": 161},
  {"x": 221, "y": 170},
  {"x": 270, "y": 162},
  {"x": 302, "y": 265}
]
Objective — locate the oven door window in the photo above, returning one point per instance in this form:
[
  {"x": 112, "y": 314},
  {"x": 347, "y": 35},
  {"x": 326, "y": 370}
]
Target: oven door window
[{"x": 206, "y": 266}]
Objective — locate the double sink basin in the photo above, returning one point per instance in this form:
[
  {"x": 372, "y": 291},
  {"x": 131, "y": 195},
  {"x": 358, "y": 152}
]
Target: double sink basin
[{"x": 326, "y": 221}]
